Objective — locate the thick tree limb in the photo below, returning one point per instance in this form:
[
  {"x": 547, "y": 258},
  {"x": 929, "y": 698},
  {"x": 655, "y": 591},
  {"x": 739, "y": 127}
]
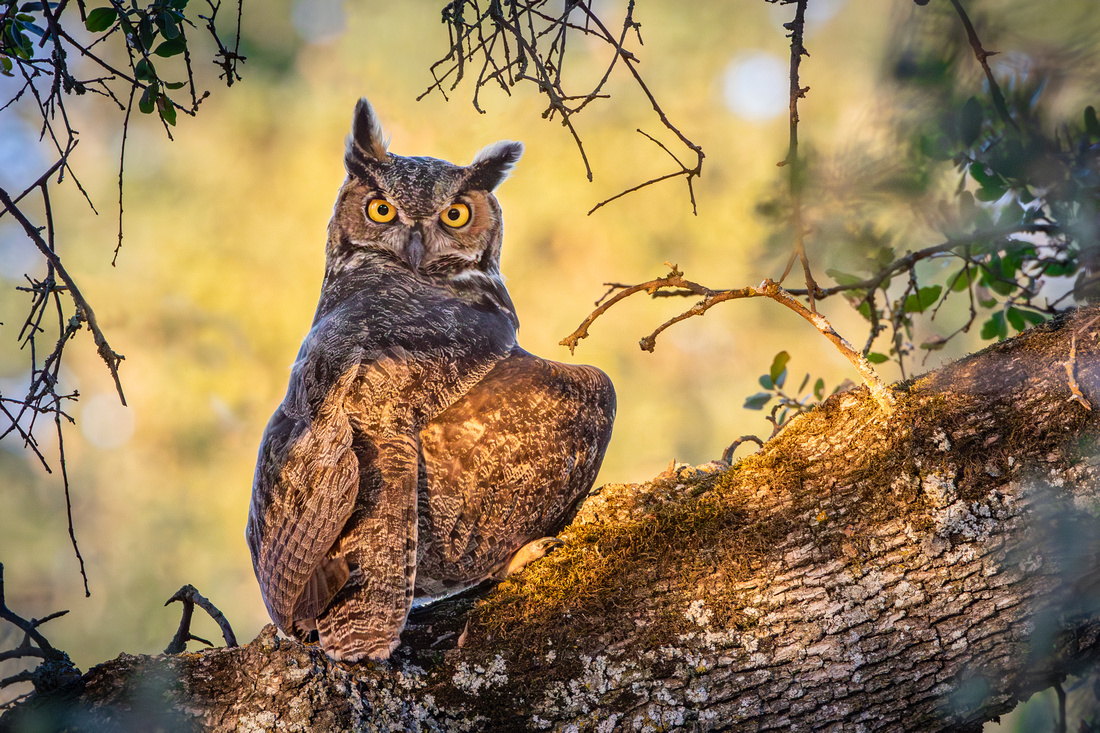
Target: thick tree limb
[{"x": 920, "y": 571}]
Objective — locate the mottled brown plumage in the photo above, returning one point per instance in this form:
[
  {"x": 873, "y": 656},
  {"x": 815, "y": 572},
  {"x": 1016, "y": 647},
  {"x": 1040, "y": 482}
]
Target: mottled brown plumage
[{"x": 419, "y": 450}]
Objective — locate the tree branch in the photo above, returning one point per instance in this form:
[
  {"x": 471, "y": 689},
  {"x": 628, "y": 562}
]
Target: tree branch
[
  {"x": 84, "y": 312},
  {"x": 711, "y": 298},
  {"x": 919, "y": 572}
]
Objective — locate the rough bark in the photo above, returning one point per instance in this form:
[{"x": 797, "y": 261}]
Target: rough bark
[{"x": 916, "y": 571}]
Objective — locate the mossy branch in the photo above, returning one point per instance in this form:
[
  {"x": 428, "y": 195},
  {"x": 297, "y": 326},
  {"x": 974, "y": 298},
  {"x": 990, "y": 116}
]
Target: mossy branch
[{"x": 921, "y": 571}]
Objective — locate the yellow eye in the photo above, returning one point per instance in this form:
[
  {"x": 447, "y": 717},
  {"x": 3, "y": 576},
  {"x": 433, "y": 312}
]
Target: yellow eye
[
  {"x": 381, "y": 211},
  {"x": 455, "y": 215}
]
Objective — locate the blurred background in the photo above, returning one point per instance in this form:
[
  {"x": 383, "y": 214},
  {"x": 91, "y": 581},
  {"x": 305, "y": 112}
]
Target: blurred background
[{"x": 218, "y": 277}]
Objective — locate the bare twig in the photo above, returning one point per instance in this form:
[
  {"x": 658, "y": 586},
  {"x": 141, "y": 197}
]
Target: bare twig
[
  {"x": 792, "y": 162},
  {"x": 190, "y": 597},
  {"x": 84, "y": 312},
  {"x": 710, "y": 298},
  {"x": 48, "y": 78},
  {"x": 982, "y": 55},
  {"x": 727, "y": 454},
  {"x": 30, "y": 629}
]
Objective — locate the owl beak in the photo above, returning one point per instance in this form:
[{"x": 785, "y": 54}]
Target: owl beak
[{"x": 414, "y": 250}]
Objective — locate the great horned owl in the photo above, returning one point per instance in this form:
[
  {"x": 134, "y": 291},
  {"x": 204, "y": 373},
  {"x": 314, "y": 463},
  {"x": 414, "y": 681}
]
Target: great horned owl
[{"x": 419, "y": 450}]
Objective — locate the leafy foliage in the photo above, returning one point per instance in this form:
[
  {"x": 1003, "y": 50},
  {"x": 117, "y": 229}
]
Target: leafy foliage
[
  {"x": 1019, "y": 216},
  {"x": 786, "y": 405}
]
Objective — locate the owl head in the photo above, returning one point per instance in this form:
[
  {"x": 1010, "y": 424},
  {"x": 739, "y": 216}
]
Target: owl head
[{"x": 438, "y": 220}]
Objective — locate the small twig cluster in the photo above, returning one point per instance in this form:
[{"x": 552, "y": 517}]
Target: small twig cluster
[
  {"x": 55, "y": 668},
  {"x": 512, "y": 41},
  {"x": 40, "y": 45}
]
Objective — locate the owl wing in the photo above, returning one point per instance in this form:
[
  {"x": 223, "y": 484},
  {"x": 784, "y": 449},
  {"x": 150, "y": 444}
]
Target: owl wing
[
  {"x": 507, "y": 464},
  {"x": 334, "y": 496},
  {"x": 306, "y": 481},
  {"x": 367, "y": 615}
]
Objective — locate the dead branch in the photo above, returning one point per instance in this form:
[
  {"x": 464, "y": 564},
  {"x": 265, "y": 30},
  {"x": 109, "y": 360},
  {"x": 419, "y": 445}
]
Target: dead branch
[
  {"x": 190, "y": 597},
  {"x": 710, "y": 298},
  {"x": 792, "y": 161}
]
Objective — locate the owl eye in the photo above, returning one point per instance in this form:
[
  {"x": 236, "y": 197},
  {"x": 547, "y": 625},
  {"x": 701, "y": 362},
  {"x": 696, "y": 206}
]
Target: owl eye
[
  {"x": 455, "y": 215},
  {"x": 381, "y": 211}
]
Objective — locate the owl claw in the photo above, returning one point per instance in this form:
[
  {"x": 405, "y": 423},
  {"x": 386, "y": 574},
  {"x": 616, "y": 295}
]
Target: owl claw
[{"x": 527, "y": 554}]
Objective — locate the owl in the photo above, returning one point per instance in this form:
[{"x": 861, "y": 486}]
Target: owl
[{"x": 419, "y": 451}]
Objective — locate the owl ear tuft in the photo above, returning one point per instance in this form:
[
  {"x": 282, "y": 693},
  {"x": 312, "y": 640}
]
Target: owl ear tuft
[
  {"x": 493, "y": 164},
  {"x": 367, "y": 140}
]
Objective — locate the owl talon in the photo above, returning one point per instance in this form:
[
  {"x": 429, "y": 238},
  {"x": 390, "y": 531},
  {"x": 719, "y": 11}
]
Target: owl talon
[{"x": 527, "y": 554}]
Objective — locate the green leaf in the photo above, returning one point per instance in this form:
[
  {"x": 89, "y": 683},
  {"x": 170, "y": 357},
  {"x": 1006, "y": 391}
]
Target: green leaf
[
  {"x": 970, "y": 121},
  {"x": 779, "y": 367},
  {"x": 766, "y": 382},
  {"x": 995, "y": 327},
  {"x": 145, "y": 71},
  {"x": 174, "y": 84},
  {"x": 167, "y": 109},
  {"x": 31, "y": 27},
  {"x": 991, "y": 193},
  {"x": 960, "y": 281},
  {"x": 146, "y": 33},
  {"x": 5, "y": 66},
  {"x": 1001, "y": 286},
  {"x": 171, "y": 47},
  {"x": 922, "y": 299},
  {"x": 1060, "y": 269},
  {"x": 1016, "y": 319},
  {"x": 757, "y": 401},
  {"x": 100, "y": 19},
  {"x": 167, "y": 24},
  {"x": 864, "y": 310},
  {"x": 148, "y": 99},
  {"x": 1035, "y": 318},
  {"x": 876, "y": 358},
  {"x": 992, "y": 185},
  {"x": 843, "y": 278},
  {"x": 1092, "y": 125},
  {"x": 805, "y": 381},
  {"x": 819, "y": 389}
]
